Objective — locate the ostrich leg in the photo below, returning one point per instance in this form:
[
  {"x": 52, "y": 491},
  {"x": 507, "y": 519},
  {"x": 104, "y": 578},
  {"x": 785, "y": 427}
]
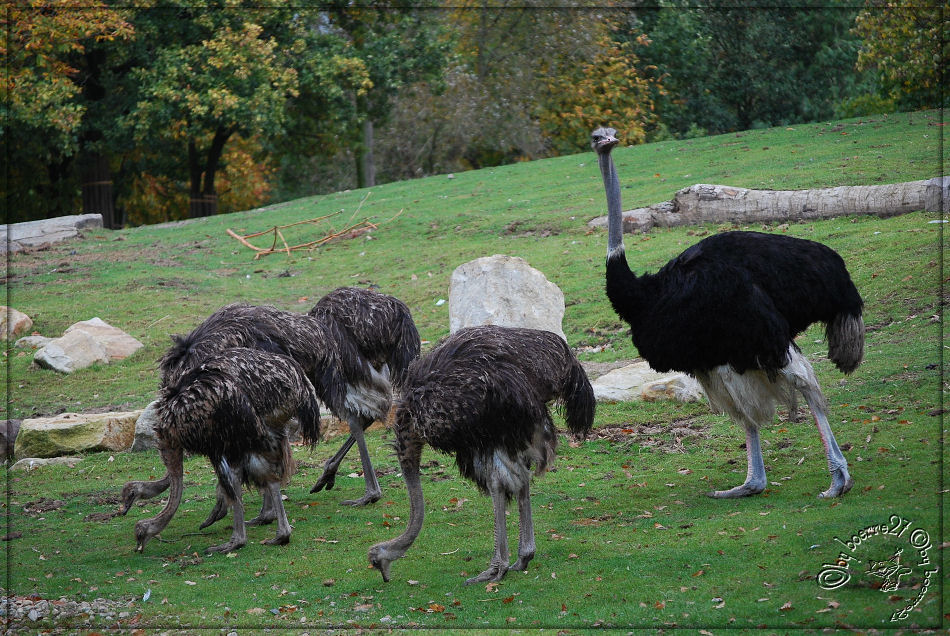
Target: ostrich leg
[
  {"x": 498, "y": 566},
  {"x": 526, "y": 545},
  {"x": 802, "y": 375},
  {"x": 272, "y": 494},
  {"x": 221, "y": 505},
  {"x": 755, "y": 474},
  {"x": 238, "y": 534},
  {"x": 328, "y": 478},
  {"x": 373, "y": 491}
]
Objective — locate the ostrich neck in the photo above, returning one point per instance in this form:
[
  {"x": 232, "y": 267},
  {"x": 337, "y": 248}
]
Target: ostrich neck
[
  {"x": 614, "y": 211},
  {"x": 400, "y": 544},
  {"x": 175, "y": 477}
]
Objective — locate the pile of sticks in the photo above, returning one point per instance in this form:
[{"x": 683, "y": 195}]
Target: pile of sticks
[{"x": 350, "y": 231}]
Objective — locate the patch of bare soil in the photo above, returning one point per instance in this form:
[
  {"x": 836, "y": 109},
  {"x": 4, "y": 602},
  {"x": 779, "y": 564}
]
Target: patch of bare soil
[
  {"x": 667, "y": 438},
  {"x": 42, "y": 506}
]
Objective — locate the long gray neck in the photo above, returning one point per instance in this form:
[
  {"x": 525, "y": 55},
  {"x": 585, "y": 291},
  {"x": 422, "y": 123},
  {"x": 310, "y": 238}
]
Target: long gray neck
[{"x": 614, "y": 211}]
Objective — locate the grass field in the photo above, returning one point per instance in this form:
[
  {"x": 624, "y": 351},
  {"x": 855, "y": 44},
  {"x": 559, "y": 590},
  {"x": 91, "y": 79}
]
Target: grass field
[{"x": 626, "y": 536}]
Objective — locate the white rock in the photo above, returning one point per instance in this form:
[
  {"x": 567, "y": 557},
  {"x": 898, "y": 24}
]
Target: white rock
[
  {"x": 117, "y": 343},
  {"x": 506, "y": 291},
  {"x": 74, "y": 351},
  {"x": 624, "y": 384},
  {"x": 679, "y": 387},
  {"x": 32, "y": 342}
]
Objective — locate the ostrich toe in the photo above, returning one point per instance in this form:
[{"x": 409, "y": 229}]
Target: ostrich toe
[
  {"x": 495, "y": 572},
  {"x": 744, "y": 490},
  {"x": 839, "y": 485}
]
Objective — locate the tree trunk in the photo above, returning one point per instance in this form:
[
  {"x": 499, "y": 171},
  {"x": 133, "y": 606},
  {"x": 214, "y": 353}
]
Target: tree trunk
[
  {"x": 366, "y": 175},
  {"x": 97, "y": 190},
  {"x": 703, "y": 203},
  {"x": 203, "y": 199}
]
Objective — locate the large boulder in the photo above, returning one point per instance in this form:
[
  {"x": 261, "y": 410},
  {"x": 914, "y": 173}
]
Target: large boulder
[
  {"x": 85, "y": 343},
  {"x": 72, "y": 433},
  {"x": 505, "y": 291},
  {"x": 13, "y": 323},
  {"x": 17, "y": 236},
  {"x": 637, "y": 381},
  {"x": 74, "y": 351},
  {"x": 118, "y": 344},
  {"x": 144, "y": 437}
]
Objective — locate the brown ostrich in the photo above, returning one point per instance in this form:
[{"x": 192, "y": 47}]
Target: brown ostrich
[
  {"x": 234, "y": 409},
  {"x": 482, "y": 396},
  {"x": 350, "y": 344},
  {"x": 381, "y": 329}
]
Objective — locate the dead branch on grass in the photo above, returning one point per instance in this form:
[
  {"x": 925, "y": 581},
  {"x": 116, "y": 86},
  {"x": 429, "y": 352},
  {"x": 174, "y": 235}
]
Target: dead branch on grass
[{"x": 352, "y": 230}]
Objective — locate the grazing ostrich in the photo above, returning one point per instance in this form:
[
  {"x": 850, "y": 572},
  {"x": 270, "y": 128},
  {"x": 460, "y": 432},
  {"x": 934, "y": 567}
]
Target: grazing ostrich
[
  {"x": 234, "y": 408},
  {"x": 381, "y": 329},
  {"x": 727, "y": 311},
  {"x": 481, "y": 395}
]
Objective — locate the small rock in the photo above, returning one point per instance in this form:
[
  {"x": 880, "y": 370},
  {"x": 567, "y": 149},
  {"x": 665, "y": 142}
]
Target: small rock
[{"x": 13, "y": 323}]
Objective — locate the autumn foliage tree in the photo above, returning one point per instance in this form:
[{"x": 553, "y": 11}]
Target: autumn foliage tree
[
  {"x": 201, "y": 93},
  {"x": 909, "y": 46},
  {"x": 40, "y": 99}
]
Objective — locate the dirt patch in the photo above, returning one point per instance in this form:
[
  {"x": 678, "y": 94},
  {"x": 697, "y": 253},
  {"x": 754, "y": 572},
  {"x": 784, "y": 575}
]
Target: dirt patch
[
  {"x": 669, "y": 438},
  {"x": 42, "y": 506}
]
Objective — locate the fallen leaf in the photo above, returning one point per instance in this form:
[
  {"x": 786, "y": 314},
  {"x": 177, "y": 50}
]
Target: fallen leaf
[
  {"x": 256, "y": 610},
  {"x": 436, "y": 608},
  {"x": 786, "y": 607},
  {"x": 491, "y": 587},
  {"x": 190, "y": 583}
]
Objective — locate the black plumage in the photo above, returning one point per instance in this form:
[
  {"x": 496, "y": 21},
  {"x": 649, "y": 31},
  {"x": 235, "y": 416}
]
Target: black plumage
[
  {"x": 233, "y": 407},
  {"x": 727, "y": 310},
  {"x": 481, "y": 395}
]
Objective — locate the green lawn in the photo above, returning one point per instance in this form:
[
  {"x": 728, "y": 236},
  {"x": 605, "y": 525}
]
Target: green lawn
[{"x": 626, "y": 536}]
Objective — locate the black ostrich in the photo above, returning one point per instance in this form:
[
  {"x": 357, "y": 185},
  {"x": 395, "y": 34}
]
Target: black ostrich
[
  {"x": 380, "y": 328},
  {"x": 482, "y": 395},
  {"x": 727, "y": 311},
  {"x": 234, "y": 409}
]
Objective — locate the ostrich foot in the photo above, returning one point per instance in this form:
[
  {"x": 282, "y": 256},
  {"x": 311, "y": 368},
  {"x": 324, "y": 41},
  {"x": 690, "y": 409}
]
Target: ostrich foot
[
  {"x": 327, "y": 480},
  {"x": 840, "y": 484},
  {"x": 495, "y": 572},
  {"x": 262, "y": 519},
  {"x": 230, "y": 546},
  {"x": 522, "y": 563},
  {"x": 368, "y": 498},
  {"x": 281, "y": 539},
  {"x": 746, "y": 489},
  {"x": 219, "y": 512}
]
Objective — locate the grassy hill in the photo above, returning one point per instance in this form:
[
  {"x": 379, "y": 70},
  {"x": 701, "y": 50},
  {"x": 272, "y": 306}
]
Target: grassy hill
[{"x": 625, "y": 536}]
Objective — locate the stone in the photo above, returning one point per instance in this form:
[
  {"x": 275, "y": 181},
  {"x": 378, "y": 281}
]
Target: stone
[
  {"x": 17, "y": 236},
  {"x": 13, "y": 323},
  {"x": 624, "y": 384},
  {"x": 679, "y": 387},
  {"x": 637, "y": 381},
  {"x": 29, "y": 463},
  {"x": 32, "y": 342},
  {"x": 506, "y": 291},
  {"x": 71, "y": 433},
  {"x": 117, "y": 343},
  {"x": 8, "y": 433},
  {"x": 73, "y": 351},
  {"x": 144, "y": 437}
]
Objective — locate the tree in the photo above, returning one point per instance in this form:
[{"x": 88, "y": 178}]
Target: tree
[
  {"x": 907, "y": 45},
  {"x": 41, "y": 101},
  {"x": 199, "y": 93}
]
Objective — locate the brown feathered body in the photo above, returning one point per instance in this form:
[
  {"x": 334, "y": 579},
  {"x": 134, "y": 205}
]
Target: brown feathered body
[
  {"x": 482, "y": 395},
  {"x": 234, "y": 407}
]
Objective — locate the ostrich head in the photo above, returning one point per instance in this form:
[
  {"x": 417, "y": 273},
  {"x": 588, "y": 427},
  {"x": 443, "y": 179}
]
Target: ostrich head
[
  {"x": 603, "y": 140},
  {"x": 381, "y": 556},
  {"x": 144, "y": 530}
]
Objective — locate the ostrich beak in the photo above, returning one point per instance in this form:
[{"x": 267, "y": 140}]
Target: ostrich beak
[{"x": 607, "y": 142}]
